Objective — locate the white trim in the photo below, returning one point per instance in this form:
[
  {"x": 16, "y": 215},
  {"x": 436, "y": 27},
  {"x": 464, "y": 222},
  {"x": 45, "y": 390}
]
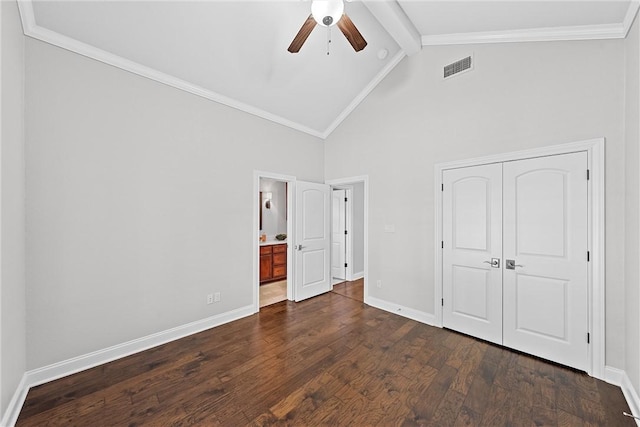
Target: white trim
[
  {"x": 631, "y": 396},
  {"x": 2, "y": 416},
  {"x": 620, "y": 378},
  {"x": 31, "y": 29},
  {"x": 401, "y": 29},
  {"x": 348, "y": 189},
  {"x": 579, "y": 32},
  {"x": 17, "y": 402},
  {"x": 365, "y": 180},
  {"x": 437, "y": 250},
  {"x": 93, "y": 359},
  {"x": 90, "y": 360},
  {"x": 363, "y": 94},
  {"x": 349, "y": 226},
  {"x": 595, "y": 152},
  {"x": 632, "y": 11},
  {"x": 613, "y": 375},
  {"x": 400, "y": 310},
  {"x": 291, "y": 180},
  {"x": 357, "y": 276}
]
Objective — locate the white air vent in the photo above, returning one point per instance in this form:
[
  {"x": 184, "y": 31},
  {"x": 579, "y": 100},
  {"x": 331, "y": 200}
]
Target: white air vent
[{"x": 457, "y": 67}]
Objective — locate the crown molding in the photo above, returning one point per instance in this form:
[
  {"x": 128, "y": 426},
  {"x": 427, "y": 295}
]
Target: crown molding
[
  {"x": 630, "y": 16},
  {"x": 579, "y": 32},
  {"x": 396, "y": 25},
  {"x": 31, "y": 29},
  {"x": 363, "y": 94},
  {"x": 587, "y": 32}
]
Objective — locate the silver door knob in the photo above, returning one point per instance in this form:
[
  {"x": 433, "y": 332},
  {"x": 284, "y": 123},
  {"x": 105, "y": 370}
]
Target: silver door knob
[
  {"x": 495, "y": 262},
  {"x": 300, "y": 247},
  {"x": 511, "y": 264}
]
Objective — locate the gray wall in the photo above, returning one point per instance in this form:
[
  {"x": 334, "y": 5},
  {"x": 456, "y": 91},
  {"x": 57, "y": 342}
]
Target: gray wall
[
  {"x": 632, "y": 206},
  {"x": 519, "y": 96},
  {"x": 139, "y": 203},
  {"x": 12, "y": 226}
]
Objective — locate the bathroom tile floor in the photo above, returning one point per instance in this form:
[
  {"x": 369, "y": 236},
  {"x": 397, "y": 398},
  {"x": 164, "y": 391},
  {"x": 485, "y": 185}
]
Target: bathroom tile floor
[{"x": 272, "y": 293}]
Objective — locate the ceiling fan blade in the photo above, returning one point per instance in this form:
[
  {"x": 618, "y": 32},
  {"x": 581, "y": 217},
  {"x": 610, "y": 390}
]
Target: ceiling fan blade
[
  {"x": 351, "y": 33},
  {"x": 302, "y": 35}
]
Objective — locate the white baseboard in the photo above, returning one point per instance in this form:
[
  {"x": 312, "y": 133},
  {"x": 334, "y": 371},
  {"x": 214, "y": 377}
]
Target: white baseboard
[
  {"x": 77, "y": 364},
  {"x": 411, "y": 313},
  {"x": 631, "y": 395},
  {"x": 15, "y": 405},
  {"x": 620, "y": 378},
  {"x": 356, "y": 276},
  {"x": 613, "y": 375}
]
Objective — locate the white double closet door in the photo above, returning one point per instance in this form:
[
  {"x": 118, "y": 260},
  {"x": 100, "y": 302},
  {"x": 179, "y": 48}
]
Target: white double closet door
[{"x": 515, "y": 255}]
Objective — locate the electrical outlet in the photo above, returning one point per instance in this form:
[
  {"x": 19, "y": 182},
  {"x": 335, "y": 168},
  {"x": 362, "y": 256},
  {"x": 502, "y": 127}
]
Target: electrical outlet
[
  {"x": 379, "y": 283},
  {"x": 216, "y": 297},
  {"x": 210, "y": 299}
]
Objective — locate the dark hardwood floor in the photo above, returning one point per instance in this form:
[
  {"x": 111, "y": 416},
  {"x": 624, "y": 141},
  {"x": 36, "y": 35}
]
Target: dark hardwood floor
[
  {"x": 354, "y": 290},
  {"x": 330, "y": 360}
]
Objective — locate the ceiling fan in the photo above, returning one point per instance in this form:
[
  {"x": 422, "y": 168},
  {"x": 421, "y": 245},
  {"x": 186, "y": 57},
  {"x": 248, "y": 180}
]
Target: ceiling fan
[{"x": 328, "y": 13}]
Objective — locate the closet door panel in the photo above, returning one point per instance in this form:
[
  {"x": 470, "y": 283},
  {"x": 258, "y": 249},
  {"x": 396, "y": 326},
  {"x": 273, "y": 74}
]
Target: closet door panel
[
  {"x": 472, "y": 228},
  {"x": 545, "y": 235}
]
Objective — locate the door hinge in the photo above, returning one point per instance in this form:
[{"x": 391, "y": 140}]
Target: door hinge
[
  {"x": 442, "y": 244},
  {"x": 442, "y": 187},
  {"x": 345, "y": 231},
  {"x": 443, "y": 302},
  {"x": 587, "y": 174},
  {"x": 345, "y": 265},
  {"x": 588, "y": 256},
  {"x": 346, "y": 200},
  {"x": 588, "y": 338}
]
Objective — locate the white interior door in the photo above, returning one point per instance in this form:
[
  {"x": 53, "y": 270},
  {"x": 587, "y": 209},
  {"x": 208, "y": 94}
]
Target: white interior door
[
  {"x": 472, "y": 233},
  {"x": 313, "y": 240},
  {"x": 545, "y": 234},
  {"x": 338, "y": 235}
]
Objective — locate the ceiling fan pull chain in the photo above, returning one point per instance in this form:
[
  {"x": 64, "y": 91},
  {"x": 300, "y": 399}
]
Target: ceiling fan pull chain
[{"x": 328, "y": 38}]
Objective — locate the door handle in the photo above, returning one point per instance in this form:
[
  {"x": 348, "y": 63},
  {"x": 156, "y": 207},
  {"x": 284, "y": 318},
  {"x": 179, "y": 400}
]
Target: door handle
[
  {"x": 511, "y": 264},
  {"x": 299, "y": 247},
  {"x": 495, "y": 262}
]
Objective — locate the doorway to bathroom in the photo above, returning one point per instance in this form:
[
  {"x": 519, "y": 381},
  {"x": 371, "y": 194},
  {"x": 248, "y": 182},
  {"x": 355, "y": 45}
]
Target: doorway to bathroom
[{"x": 273, "y": 236}]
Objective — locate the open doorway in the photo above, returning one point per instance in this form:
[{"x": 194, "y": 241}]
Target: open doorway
[
  {"x": 273, "y": 241},
  {"x": 273, "y": 278},
  {"x": 348, "y": 242}
]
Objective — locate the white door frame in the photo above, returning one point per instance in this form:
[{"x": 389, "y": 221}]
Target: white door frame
[
  {"x": 347, "y": 184},
  {"x": 595, "y": 240},
  {"x": 291, "y": 180},
  {"x": 349, "y": 226}
]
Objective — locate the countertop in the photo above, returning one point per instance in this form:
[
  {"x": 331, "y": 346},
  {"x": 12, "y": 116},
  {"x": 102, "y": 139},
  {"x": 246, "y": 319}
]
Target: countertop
[{"x": 273, "y": 242}]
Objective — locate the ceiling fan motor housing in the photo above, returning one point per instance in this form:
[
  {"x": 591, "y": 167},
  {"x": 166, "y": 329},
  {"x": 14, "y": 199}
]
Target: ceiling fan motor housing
[{"x": 327, "y": 12}]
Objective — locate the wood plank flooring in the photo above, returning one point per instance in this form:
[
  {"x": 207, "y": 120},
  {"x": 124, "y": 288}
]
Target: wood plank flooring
[
  {"x": 330, "y": 360},
  {"x": 354, "y": 290}
]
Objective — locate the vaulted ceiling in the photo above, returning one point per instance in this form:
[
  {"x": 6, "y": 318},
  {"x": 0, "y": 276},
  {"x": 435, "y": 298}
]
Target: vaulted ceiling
[{"x": 235, "y": 52}]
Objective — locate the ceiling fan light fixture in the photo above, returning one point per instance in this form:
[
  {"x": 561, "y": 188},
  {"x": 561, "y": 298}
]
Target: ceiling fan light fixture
[{"x": 327, "y": 12}]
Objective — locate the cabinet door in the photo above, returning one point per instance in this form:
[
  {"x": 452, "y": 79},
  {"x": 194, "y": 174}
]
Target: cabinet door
[
  {"x": 266, "y": 267},
  {"x": 279, "y": 249},
  {"x": 280, "y": 259}
]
